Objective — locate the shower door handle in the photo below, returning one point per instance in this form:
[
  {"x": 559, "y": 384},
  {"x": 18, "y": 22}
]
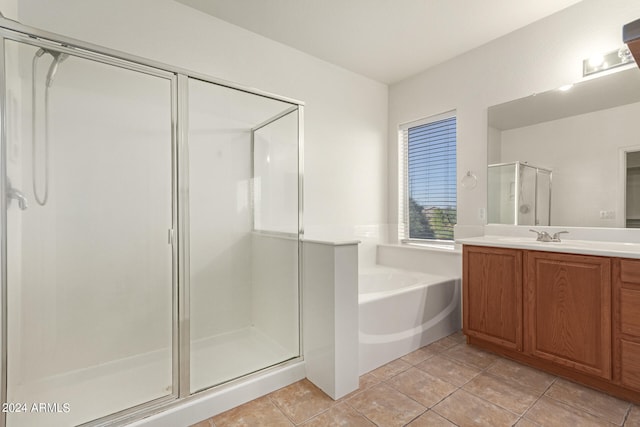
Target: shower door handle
[{"x": 170, "y": 236}]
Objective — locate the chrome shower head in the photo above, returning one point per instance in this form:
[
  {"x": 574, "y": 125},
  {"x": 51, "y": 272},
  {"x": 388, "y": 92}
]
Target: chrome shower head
[{"x": 58, "y": 57}]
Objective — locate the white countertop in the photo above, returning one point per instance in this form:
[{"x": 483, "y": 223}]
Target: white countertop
[
  {"x": 585, "y": 247},
  {"x": 331, "y": 242}
]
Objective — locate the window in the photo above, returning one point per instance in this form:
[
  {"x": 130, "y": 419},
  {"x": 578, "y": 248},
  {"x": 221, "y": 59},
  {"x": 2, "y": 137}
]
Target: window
[{"x": 428, "y": 208}]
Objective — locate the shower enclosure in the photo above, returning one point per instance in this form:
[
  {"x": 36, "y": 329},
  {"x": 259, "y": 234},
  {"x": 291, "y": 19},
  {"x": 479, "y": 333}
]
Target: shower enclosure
[
  {"x": 151, "y": 223},
  {"x": 519, "y": 194}
]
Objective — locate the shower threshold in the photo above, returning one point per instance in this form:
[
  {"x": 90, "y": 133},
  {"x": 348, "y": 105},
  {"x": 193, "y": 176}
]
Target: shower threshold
[{"x": 83, "y": 395}]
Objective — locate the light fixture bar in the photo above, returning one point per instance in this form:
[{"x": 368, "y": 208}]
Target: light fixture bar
[{"x": 599, "y": 63}]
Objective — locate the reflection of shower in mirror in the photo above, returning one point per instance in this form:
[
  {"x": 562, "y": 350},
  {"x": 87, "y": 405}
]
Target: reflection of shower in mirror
[
  {"x": 519, "y": 194},
  {"x": 524, "y": 208}
]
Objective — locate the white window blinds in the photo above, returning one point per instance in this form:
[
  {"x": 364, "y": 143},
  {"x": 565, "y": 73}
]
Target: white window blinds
[{"x": 428, "y": 178}]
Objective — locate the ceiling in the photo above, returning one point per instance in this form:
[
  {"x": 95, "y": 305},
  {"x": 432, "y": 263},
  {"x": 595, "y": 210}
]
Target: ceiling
[{"x": 386, "y": 40}]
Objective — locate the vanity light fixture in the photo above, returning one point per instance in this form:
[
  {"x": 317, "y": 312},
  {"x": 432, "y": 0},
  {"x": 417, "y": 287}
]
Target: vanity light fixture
[
  {"x": 596, "y": 60},
  {"x": 598, "y": 63}
]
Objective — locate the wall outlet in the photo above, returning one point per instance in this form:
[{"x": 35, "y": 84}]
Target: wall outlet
[
  {"x": 607, "y": 214},
  {"x": 482, "y": 214}
]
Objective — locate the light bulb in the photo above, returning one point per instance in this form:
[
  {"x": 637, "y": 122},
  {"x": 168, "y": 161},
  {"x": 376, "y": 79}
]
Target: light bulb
[{"x": 596, "y": 60}]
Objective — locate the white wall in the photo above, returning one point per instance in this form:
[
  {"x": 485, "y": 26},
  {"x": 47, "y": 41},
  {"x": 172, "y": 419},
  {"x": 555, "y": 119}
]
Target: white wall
[
  {"x": 536, "y": 58},
  {"x": 345, "y": 115}
]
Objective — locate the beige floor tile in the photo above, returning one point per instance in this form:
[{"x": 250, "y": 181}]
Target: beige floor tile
[
  {"x": 459, "y": 337},
  {"x": 259, "y": 412},
  {"x": 532, "y": 378},
  {"x": 420, "y": 355},
  {"x": 552, "y": 413},
  {"x": 339, "y": 415},
  {"x": 596, "y": 403},
  {"x": 503, "y": 392},
  {"x": 421, "y": 387},
  {"x": 448, "y": 342},
  {"x": 430, "y": 419},
  {"x": 465, "y": 409},
  {"x": 449, "y": 370},
  {"x": 391, "y": 369},
  {"x": 471, "y": 356},
  {"x": 301, "y": 401},
  {"x": 437, "y": 347},
  {"x": 526, "y": 423},
  {"x": 204, "y": 423},
  {"x": 385, "y": 406},
  {"x": 367, "y": 380},
  {"x": 633, "y": 419}
]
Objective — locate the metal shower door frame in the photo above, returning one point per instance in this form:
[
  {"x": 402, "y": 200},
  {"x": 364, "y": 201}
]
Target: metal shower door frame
[
  {"x": 178, "y": 234},
  {"x": 48, "y": 43}
]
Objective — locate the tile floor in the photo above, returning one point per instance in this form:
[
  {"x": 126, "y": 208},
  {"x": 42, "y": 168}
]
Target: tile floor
[{"x": 447, "y": 383}]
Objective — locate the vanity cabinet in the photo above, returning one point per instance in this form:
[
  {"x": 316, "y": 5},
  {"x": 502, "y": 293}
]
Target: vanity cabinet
[
  {"x": 626, "y": 315},
  {"x": 568, "y": 310},
  {"x": 493, "y": 286},
  {"x": 573, "y": 315}
]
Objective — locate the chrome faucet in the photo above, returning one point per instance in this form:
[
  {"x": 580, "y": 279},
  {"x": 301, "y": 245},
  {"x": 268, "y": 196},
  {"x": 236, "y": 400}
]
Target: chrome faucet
[
  {"x": 13, "y": 193},
  {"x": 543, "y": 236},
  {"x": 556, "y": 236}
]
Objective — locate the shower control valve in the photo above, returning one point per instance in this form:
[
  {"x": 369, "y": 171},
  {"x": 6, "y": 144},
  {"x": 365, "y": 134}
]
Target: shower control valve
[{"x": 14, "y": 193}]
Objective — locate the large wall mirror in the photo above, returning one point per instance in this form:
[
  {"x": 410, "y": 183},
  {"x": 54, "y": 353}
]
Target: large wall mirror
[{"x": 568, "y": 157}]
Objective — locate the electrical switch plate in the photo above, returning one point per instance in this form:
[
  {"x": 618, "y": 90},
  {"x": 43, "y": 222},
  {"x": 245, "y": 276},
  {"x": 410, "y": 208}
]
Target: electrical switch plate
[
  {"x": 482, "y": 214},
  {"x": 607, "y": 214}
]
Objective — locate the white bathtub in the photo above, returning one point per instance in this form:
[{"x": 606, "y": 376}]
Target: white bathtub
[{"x": 401, "y": 311}]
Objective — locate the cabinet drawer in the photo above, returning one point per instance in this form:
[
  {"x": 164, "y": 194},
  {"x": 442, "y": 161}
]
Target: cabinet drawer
[
  {"x": 630, "y": 271},
  {"x": 630, "y": 364},
  {"x": 630, "y": 312}
]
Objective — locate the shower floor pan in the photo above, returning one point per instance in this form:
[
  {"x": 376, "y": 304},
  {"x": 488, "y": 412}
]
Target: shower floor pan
[{"x": 108, "y": 388}]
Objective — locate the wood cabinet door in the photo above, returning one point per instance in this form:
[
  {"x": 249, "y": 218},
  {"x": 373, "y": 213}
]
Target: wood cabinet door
[
  {"x": 492, "y": 295},
  {"x": 626, "y": 322},
  {"x": 568, "y": 310}
]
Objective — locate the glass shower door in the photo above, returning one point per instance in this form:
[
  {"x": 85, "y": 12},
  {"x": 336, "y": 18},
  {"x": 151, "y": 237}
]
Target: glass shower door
[
  {"x": 543, "y": 197},
  {"x": 243, "y": 240},
  {"x": 501, "y": 194},
  {"x": 89, "y": 264}
]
